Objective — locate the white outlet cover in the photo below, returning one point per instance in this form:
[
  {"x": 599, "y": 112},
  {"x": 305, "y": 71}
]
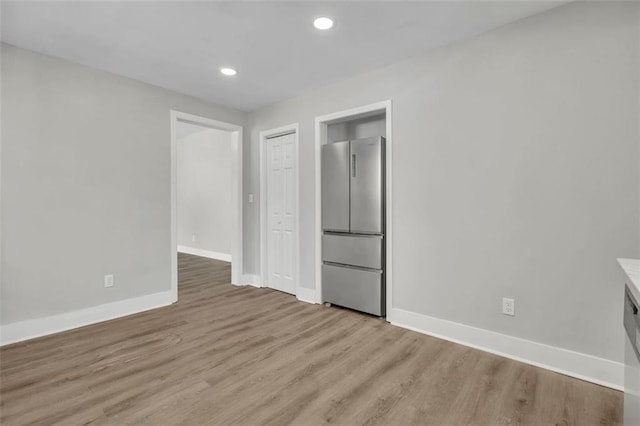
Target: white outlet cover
[
  {"x": 108, "y": 280},
  {"x": 508, "y": 306}
]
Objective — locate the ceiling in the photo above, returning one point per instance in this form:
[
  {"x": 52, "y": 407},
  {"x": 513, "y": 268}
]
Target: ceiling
[{"x": 181, "y": 45}]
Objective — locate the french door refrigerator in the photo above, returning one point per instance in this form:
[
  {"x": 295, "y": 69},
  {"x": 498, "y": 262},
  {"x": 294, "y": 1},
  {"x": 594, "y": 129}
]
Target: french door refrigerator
[{"x": 353, "y": 224}]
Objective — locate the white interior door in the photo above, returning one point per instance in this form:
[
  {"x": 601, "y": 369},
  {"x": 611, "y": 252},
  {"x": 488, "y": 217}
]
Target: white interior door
[{"x": 281, "y": 213}]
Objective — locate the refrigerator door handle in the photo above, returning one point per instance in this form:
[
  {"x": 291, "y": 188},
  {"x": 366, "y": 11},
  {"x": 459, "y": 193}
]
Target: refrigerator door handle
[
  {"x": 353, "y": 165},
  {"x": 357, "y": 268}
]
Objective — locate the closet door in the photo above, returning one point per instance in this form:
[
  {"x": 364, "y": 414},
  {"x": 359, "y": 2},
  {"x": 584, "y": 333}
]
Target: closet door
[{"x": 281, "y": 210}]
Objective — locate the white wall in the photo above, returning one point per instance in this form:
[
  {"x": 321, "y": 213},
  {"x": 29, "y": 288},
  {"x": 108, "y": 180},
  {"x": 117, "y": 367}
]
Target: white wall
[
  {"x": 356, "y": 129},
  {"x": 204, "y": 191},
  {"x": 515, "y": 173},
  {"x": 85, "y": 185}
]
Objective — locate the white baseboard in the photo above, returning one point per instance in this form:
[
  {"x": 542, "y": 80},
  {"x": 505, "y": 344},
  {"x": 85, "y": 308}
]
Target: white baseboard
[
  {"x": 575, "y": 364},
  {"x": 252, "y": 280},
  {"x": 306, "y": 295},
  {"x": 205, "y": 253},
  {"x": 29, "y": 329}
]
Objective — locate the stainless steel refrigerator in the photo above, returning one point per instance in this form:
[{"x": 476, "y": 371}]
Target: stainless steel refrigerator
[{"x": 353, "y": 224}]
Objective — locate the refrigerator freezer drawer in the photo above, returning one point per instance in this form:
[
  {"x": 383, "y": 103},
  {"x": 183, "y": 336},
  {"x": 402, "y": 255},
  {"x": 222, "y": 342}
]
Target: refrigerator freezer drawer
[
  {"x": 358, "y": 250},
  {"x": 357, "y": 289}
]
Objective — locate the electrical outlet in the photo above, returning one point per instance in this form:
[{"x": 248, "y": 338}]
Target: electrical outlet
[
  {"x": 251, "y": 198},
  {"x": 508, "y": 306},
  {"x": 108, "y": 280},
  {"x": 193, "y": 237}
]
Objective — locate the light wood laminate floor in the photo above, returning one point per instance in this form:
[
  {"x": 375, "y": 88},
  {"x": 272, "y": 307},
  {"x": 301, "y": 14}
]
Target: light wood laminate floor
[{"x": 245, "y": 356}]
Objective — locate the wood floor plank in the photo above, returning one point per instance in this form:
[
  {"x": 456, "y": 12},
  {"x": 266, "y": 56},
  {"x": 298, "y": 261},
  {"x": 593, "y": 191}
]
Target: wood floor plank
[{"x": 227, "y": 355}]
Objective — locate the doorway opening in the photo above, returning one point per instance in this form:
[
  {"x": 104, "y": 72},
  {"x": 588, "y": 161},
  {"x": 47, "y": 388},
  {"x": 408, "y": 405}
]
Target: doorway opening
[{"x": 206, "y": 192}]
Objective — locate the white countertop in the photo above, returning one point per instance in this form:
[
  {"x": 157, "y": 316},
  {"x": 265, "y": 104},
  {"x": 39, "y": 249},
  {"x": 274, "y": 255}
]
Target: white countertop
[{"x": 631, "y": 268}]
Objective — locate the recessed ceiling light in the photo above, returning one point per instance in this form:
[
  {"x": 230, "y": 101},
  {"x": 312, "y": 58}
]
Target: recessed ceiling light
[
  {"x": 323, "y": 23},
  {"x": 228, "y": 71}
]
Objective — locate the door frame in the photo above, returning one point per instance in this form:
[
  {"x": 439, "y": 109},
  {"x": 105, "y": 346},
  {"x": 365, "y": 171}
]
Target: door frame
[
  {"x": 236, "y": 196},
  {"x": 264, "y": 135},
  {"x": 322, "y": 122}
]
